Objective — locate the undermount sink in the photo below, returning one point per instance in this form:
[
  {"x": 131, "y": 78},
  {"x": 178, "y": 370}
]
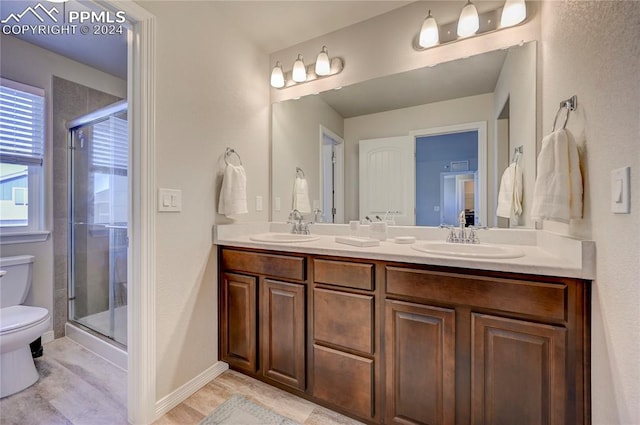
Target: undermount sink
[
  {"x": 283, "y": 238},
  {"x": 469, "y": 250}
]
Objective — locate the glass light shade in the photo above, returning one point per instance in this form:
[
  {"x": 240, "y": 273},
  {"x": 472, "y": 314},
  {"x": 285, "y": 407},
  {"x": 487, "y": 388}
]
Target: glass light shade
[
  {"x": 323, "y": 64},
  {"x": 299, "y": 73},
  {"x": 469, "y": 23},
  {"x": 277, "y": 76},
  {"x": 513, "y": 12},
  {"x": 429, "y": 35}
]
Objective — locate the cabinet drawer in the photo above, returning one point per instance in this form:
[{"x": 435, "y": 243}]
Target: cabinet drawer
[
  {"x": 546, "y": 300},
  {"x": 343, "y": 273},
  {"x": 344, "y": 380},
  {"x": 282, "y": 266},
  {"x": 343, "y": 319}
]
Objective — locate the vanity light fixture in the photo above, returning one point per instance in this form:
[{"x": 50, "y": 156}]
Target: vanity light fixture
[
  {"x": 299, "y": 73},
  {"x": 429, "y": 35},
  {"x": 323, "y": 64},
  {"x": 469, "y": 22},
  {"x": 277, "y": 76},
  {"x": 513, "y": 12}
]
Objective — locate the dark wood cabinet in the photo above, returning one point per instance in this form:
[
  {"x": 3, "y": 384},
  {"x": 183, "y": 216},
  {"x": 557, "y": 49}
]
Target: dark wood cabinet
[
  {"x": 518, "y": 372},
  {"x": 238, "y": 309},
  {"x": 513, "y": 348},
  {"x": 345, "y": 341},
  {"x": 395, "y": 343},
  {"x": 344, "y": 380},
  {"x": 263, "y": 317},
  {"x": 420, "y": 363},
  {"x": 282, "y": 317}
]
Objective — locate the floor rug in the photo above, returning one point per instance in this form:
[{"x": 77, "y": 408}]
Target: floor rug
[{"x": 241, "y": 411}]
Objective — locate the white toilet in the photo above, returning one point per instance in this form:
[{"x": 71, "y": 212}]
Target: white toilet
[{"x": 19, "y": 325}]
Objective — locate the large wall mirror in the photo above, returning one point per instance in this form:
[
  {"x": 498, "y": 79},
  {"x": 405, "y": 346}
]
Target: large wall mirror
[{"x": 416, "y": 147}]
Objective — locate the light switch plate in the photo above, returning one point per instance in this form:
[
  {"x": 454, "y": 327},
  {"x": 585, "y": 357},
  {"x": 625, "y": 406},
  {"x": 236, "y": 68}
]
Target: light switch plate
[
  {"x": 258, "y": 203},
  {"x": 620, "y": 190},
  {"x": 169, "y": 200}
]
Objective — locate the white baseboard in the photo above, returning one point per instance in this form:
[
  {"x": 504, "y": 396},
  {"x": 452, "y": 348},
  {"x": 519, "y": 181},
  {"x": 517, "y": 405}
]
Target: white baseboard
[
  {"x": 47, "y": 337},
  {"x": 185, "y": 391}
]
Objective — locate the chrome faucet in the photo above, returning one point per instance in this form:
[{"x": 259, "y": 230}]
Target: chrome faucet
[
  {"x": 464, "y": 234},
  {"x": 462, "y": 222},
  {"x": 300, "y": 227}
]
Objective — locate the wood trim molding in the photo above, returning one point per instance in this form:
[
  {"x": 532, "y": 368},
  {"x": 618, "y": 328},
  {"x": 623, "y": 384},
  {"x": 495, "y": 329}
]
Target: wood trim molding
[{"x": 141, "y": 344}]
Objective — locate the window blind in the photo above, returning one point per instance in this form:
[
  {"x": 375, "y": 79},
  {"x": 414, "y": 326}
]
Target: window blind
[
  {"x": 21, "y": 124},
  {"x": 110, "y": 147}
]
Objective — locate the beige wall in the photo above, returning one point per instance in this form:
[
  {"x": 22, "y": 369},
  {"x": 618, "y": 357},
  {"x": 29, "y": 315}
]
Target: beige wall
[
  {"x": 24, "y": 62},
  {"x": 383, "y": 45},
  {"x": 591, "y": 49},
  {"x": 212, "y": 91},
  {"x": 517, "y": 84},
  {"x": 400, "y": 122},
  {"x": 296, "y": 142}
]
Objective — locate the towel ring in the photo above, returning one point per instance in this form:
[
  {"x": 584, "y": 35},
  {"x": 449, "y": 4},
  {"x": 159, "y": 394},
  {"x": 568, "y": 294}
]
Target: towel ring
[
  {"x": 228, "y": 152},
  {"x": 570, "y": 105},
  {"x": 299, "y": 171}
]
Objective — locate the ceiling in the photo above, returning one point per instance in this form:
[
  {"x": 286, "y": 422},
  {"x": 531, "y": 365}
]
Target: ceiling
[
  {"x": 272, "y": 25},
  {"x": 451, "y": 80}
]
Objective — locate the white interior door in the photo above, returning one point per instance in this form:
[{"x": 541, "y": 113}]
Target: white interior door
[{"x": 387, "y": 178}]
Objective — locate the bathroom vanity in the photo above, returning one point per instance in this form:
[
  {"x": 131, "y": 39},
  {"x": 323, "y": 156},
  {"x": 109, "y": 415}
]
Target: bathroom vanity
[{"x": 408, "y": 342}]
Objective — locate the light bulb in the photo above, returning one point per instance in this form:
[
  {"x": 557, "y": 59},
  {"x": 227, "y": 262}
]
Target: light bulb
[
  {"x": 429, "y": 32},
  {"x": 323, "y": 64},
  {"x": 513, "y": 12},
  {"x": 469, "y": 23},
  {"x": 299, "y": 73},
  {"x": 277, "y": 76}
]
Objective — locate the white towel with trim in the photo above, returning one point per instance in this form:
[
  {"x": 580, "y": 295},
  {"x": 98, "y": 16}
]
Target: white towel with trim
[
  {"x": 233, "y": 195},
  {"x": 557, "y": 194},
  {"x": 510, "y": 194},
  {"x": 301, "y": 195}
]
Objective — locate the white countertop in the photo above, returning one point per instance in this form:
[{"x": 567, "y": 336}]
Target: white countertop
[{"x": 545, "y": 253}]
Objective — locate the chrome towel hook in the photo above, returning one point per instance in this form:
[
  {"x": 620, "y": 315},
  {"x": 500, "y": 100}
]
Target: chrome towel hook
[
  {"x": 300, "y": 172},
  {"x": 570, "y": 105},
  {"x": 228, "y": 152}
]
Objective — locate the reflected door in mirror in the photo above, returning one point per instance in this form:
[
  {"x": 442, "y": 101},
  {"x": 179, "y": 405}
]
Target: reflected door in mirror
[{"x": 387, "y": 171}]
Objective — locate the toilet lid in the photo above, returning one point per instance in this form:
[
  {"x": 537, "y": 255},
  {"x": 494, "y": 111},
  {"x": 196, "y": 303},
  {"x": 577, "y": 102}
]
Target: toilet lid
[{"x": 19, "y": 316}]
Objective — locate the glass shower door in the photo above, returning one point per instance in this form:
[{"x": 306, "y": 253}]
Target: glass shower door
[{"x": 99, "y": 189}]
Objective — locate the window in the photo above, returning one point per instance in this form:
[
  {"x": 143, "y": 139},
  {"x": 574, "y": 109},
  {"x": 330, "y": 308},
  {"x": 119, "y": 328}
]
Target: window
[{"x": 21, "y": 156}]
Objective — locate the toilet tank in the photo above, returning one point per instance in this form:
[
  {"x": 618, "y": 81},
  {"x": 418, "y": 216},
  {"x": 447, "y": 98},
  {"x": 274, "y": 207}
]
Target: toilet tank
[{"x": 15, "y": 284}]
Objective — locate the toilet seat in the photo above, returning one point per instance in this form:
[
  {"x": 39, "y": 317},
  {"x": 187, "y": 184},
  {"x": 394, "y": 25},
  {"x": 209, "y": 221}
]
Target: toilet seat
[{"x": 20, "y": 317}]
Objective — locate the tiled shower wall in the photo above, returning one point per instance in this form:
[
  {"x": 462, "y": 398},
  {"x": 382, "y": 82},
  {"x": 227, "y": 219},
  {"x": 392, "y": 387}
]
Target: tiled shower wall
[{"x": 70, "y": 100}]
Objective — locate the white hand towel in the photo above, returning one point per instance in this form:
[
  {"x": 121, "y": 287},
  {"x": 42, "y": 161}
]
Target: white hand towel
[
  {"x": 301, "y": 196},
  {"x": 557, "y": 194},
  {"x": 510, "y": 194},
  {"x": 233, "y": 195}
]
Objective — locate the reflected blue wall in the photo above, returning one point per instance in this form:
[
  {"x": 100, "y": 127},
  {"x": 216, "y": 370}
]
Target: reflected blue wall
[{"x": 433, "y": 156}]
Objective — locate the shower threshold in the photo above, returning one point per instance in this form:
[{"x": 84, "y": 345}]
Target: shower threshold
[{"x": 98, "y": 344}]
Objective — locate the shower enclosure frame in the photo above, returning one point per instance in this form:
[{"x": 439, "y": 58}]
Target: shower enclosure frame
[{"x": 91, "y": 118}]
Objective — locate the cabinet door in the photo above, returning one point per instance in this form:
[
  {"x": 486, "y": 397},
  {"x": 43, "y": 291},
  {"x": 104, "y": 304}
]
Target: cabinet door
[
  {"x": 283, "y": 332},
  {"x": 420, "y": 344},
  {"x": 518, "y": 372},
  {"x": 344, "y": 380},
  {"x": 238, "y": 312}
]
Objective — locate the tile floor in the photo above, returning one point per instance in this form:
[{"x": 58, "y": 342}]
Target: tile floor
[
  {"x": 75, "y": 387},
  {"x": 79, "y": 388}
]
